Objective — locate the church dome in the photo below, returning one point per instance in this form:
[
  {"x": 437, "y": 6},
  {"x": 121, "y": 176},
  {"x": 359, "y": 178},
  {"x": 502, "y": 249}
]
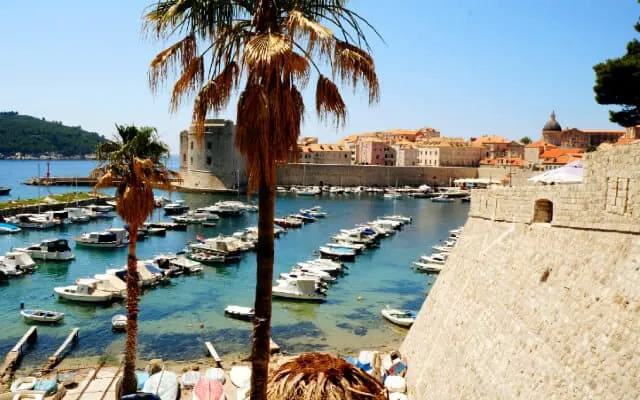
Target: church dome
[{"x": 552, "y": 124}]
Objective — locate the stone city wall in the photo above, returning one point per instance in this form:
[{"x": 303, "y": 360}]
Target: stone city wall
[
  {"x": 539, "y": 310},
  {"x": 369, "y": 175}
]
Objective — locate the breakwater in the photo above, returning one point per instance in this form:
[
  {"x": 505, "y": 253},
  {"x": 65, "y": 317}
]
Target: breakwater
[
  {"x": 541, "y": 297},
  {"x": 370, "y": 175},
  {"x": 39, "y": 208}
]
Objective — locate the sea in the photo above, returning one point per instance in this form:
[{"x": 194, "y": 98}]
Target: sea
[{"x": 177, "y": 319}]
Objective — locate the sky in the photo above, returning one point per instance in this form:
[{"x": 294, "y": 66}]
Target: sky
[{"x": 464, "y": 67}]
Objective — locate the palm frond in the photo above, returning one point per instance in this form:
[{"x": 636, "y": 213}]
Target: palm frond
[
  {"x": 355, "y": 66},
  {"x": 214, "y": 96},
  {"x": 188, "y": 83},
  {"x": 181, "y": 53},
  {"x": 329, "y": 103},
  {"x": 266, "y": 50},
  {"x": 313, "y": 33}
]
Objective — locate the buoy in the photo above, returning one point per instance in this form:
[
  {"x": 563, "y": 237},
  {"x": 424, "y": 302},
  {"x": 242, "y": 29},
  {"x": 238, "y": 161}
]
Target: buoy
[
  {"x": 201, "y": 326},
  {"x": 359, "y": 298}
]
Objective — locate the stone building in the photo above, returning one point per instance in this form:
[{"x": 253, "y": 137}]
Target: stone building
[
  {"x": 374, "y": 151},
  {"x": 406, "y": 154},
  {"x": 324, "y": 154},
  {"x": 447, "y": 153},
  {"x": 213, "y": 163},
  {"x": 553, "y": 133},
  {"x": 540, "y": 298}
]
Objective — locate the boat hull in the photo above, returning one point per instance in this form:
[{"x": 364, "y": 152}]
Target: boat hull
[
  {"x": 298, "y": 296},
  {"x": 63, "y": 293},
  {"x": 105, "y": 245},
  {"x": 42, "y": 316}
]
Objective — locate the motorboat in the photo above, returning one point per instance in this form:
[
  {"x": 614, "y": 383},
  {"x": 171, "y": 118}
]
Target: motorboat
[
  {"x": 309, "y": 191},
  {"x": 442, "y": 249},
  {"x": 307, "y": 273},
  {"x": 8, "y": 228},
  {"x": 119, "y": 323},
  {"x": 427, "y": 267},
  {"x": 229, "y": 208},
  {"x": 336, "y": 190},
  {"x": 101, "y": 211},
  {"x": 457, "y": 231},
  {"x": 148, "y": 274},
  {"x": 306, "y": 218},
  {"x": 388, "y": 223},
  {"x": 178, "y": 262},
  {"x": 400, "y": 218},
  {"x": 77, "y": 214},
  {"x": 207, "y": 213},
  {"x": 16, "y": 263},
  {"x": 357, "y": 247},
  {"x": 436, "y": 258},
  {"x": 160, "y": 201},
  {"x": 50, "y": 250},
  {"x": 277, "y": 231},
  {"x": 85, "y": 291},
  {"x": 32, "y": 221},
  {"x": 228, "y": 246},
  {"x": 4, "y": 191},
  {"x": 189, "y": 218},
  {"x": 61, "y": 217},
  {"x": 42, "y": 316},
  {"x": 404, "y": 318},
  {"x": 156, "y": 230},
  {"x": 334, "y": 268},
  {"x": 239, "y": 312},
  {"x": 208, "y": 258},
  {"x": 288, "y": 222},
  {"x": 356, "y": 236},
  {"x": 392, "y": 195},
  {"x": 111, "y": 284},
  {"x": 299, "y": 289},
  {"x": 450, "y": 243},
  {"x": 111, "y": 238},
  {"x": 313, "y": 213},
  {"x": 443, "y": 198},
  {"x": 453, "y": 192},
  {"x": 334, "y": 253},
  {"x": 281, "y": 189},
  {"x": 178, "y": 207}
]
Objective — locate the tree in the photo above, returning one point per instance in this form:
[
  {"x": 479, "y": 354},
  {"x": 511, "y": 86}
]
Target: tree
[
  {"x": 525, "y": 140},
  {"x": 272, "y": 48},
  {"x": 618, "y": 82},
  {"x": 132, "y": 162}
]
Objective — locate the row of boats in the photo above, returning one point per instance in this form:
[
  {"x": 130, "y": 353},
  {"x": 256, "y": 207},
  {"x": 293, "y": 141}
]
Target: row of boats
[
  {"x": 52, "y": 219},
  {"x": 433, "y": 263},
  {"x": 422, "y": 191},
  {"x": 309, "y": 280}
]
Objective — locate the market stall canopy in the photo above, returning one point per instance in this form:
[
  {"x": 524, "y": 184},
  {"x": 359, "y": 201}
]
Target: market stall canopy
[{"x": 570, "y": 173}]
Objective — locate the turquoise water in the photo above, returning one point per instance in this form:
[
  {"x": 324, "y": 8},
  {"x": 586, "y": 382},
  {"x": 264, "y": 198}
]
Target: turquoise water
[{"x": 171, "y": 316}]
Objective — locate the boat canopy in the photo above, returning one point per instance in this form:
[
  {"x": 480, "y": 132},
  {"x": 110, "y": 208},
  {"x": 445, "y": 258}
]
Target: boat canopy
[{"x": 59, "y": 245}]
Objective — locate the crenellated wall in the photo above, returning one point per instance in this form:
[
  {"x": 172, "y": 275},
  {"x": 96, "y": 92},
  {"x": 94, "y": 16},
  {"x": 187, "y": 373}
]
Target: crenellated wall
[{"x": 539, "y": 310}]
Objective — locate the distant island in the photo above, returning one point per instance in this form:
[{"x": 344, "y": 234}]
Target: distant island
[{"x": 27, "y": 137}]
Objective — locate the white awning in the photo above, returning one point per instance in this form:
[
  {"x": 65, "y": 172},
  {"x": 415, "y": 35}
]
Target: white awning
[{"x": 570, "y": 173}]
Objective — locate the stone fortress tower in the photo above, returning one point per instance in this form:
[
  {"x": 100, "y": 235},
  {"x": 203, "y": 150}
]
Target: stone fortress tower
[{"x": 212, "y": 164}]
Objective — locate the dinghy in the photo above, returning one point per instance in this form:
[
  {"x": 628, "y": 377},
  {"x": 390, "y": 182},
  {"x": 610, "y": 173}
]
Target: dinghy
[
  {"x": 208, "y": 389},
  {"x": 404, "y": 318},
  {"x": 164, "y": 384},
  {"x": 119, "y": 323},
  {"x": 42, "y": 315},
  {"x": 239, "y": 312}
]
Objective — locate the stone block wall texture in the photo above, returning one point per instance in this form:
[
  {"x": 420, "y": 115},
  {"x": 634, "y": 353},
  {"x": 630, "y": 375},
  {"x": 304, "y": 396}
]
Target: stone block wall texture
[
  {"x": 539, "y": 310},
  {"x": 369, "y": 175}
]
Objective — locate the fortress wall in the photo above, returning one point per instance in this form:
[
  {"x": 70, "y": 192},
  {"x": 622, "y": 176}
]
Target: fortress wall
[
  {"x": 536, "y": 310},
  {"x": 368, "y": 175}
]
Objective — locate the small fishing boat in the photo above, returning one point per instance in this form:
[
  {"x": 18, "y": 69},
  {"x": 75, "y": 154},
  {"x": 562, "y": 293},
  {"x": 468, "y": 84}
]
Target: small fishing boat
[
  {"x": 42, "y": 315},
  {"x": 333, "y": 253},
  {"x": 299, "y": 289},
  {"x": 110, "y": 239},
  {"x": 208, "y": 389},
  {"x": 239, "y": 312},
  {"x": 50, "y": 250},
  {"x": 443, "y": 198},
  {"x": 8, "y": 228},
  {"x": 404, "y": 318},
  {"x": 207, "y": 257},
  {"x": 119, "y": 323},
  {"x": 15, "y": 263},
  {"x": 4, "y": 191},
  {"x": 163, "y": 384},
  {"x": 84, "y": 291}
]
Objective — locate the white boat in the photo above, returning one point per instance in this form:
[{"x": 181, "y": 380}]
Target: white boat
[
  {"x": 207, "y": 257},
  {"x": 300, "y": 289},
  {"x": 16, "y": 263},
  {"x": 42, "y": 315},
  {"x": 50, "y": 250},
  {"x": 207, "y": 213},
  {"x": 227, "y": 246},
  {"x": 176, "y": 208},
  {"x": 111, "y": 284},
  {"x": 61, "y": 217},
  {"x": 436, "y": 258},
  {"x": 96, "y": 211},
  {"x": 180, "y": 262},
  {"x": 77, "y": 214},
  {"x": 189, "y": 218},
  {"x": 296, "y": 276},
  {"x": 239, "y": 312},
  {"x": 401, "y": 218},
  {"x": 109, "y": 239},
  {"x": 229, "y": 208},
  {"x": 392, "y": 195},
  {"x": 336, "y": 190},
  {"x": 32, "y": 221},
  {"x": 442, "y": 249},
  {"x": 457, "y": 231},
  {"x": 333, "y": 253},
  {"x": 427, "y": 267},
  {"x": 85, "y": 291},
  {"x": 148, "y": 275},
  {"x": 281, "y": 189},
  {"x": 312, "y": 272},
  {"x": 404, "y": 318},
  {"x": 313, "y": 213},
  {"x": 309, "y": 191},
  {"x": 443, "y": 198},
  {"x": 119, "y": 322},
  {"x": 358, "y": 247},
  {"x": 454, "y": 192},
  {"x": 161, "y": 201},
  {"x": 277, "y": 231}
]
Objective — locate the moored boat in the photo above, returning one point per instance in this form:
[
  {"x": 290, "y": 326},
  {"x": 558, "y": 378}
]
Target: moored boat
[
  {"x": 42, "y": 315},
  {"x": 427, "y": 267},
  {"x": 4, "y": 191},
  {"x": 443, "y": 198},
  {"x": 404, "y": 318},
  {"x": 8, "y": 228},
  {"x": 84, "y": 291},
  {"x": 16, "y": 263},
  {"x": 50, "y": 250},
  {"x": 176, "y": 208},
  {"x": 334, "y": 253},
  {"x": 300, "y": 289},
  {"x": 32, "y": 221},
  {"x": 239, "y": 312},
  {"x": 109, "y": 239},
  {"x": 119, "y": 323},
  {"x": 436, "y": 258}
]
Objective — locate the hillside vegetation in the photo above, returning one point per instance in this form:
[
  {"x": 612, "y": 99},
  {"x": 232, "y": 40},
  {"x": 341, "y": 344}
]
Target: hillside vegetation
[{"x": 30, "y": 135}]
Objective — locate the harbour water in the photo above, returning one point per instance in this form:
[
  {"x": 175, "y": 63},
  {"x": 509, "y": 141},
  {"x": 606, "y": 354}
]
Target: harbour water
[{"x": 175, "y": 320}]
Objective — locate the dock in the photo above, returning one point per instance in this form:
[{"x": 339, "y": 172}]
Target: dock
[
  {"x": 67, "y": 181},
  {"x": 213, "y": 353},
  {"x": 15, "y": 354},
  {"x": 72, "y": 339}
]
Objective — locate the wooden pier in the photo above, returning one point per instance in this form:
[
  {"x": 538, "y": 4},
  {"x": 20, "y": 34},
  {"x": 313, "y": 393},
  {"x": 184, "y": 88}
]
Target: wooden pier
[
  {"x": 15, "y": 354},
  {"x": 214, "y": 354},
  {"x": 58, "y": 355}
]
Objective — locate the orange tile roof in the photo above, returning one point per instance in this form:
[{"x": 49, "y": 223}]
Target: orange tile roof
[
  {"x": 605, "y": 131},
  {"x": 557, "y": 152},
  {"x": 487, "y": 161},
  {"x": 321, "y": 147},
  {"x": 491, "y": 139},
  {"x": 510, "y": 161},
  {"x": 626, "y": 141},
  {"x": 541, "y": 143}
]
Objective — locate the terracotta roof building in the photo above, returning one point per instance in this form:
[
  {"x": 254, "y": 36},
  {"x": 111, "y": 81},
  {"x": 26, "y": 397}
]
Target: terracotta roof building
[
  {"x": 324, "y": 154},
  {"x": 553, "y": 133}
]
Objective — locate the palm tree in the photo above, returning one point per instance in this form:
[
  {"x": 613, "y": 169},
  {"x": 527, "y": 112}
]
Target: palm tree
[
  {"x": 318, "y": 376},
  {"x": 271, "y": 48},
  {"x": 132, "y": 162}
]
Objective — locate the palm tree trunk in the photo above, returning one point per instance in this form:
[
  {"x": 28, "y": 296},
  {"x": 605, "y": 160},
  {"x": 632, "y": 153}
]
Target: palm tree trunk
[
  {"x": 262, "y": 322},
  {"x": 129, "y": 382}
]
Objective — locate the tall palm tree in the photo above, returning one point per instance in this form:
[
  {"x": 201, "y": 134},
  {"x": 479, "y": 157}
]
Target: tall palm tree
[
  {"x": 271, "y": 48},
  {"x": 132, "y": 162}
]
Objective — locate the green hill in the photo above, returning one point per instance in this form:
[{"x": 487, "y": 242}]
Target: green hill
[{"x": 34, "y": 136}]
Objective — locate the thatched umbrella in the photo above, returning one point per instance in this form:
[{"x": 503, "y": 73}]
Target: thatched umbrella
[{"x": 318, "y": 376}]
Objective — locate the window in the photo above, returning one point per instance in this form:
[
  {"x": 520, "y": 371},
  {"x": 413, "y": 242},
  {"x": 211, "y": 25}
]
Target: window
[
  {"x": 191, "y": 161},
  {"x": 184, "y": 157},
  {"x": 191, "y": 145},
  {"x": 208, "y": 160},
  {"x": 209, "y": 145}
]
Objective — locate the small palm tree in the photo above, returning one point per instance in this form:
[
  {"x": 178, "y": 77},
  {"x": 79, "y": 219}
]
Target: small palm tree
[
  {"x": 318, "y": 376},
  {"x": 132, "y": 162},
  {"x": 272, "y": 48}
]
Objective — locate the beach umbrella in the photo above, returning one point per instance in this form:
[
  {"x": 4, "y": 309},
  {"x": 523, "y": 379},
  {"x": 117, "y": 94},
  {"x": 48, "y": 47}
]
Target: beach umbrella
[{"x": 573, "y": 172}]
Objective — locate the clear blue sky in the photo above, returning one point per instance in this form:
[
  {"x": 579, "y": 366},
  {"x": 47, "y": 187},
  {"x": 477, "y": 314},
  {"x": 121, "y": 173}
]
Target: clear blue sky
[{"x": 465, "y": 67}]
